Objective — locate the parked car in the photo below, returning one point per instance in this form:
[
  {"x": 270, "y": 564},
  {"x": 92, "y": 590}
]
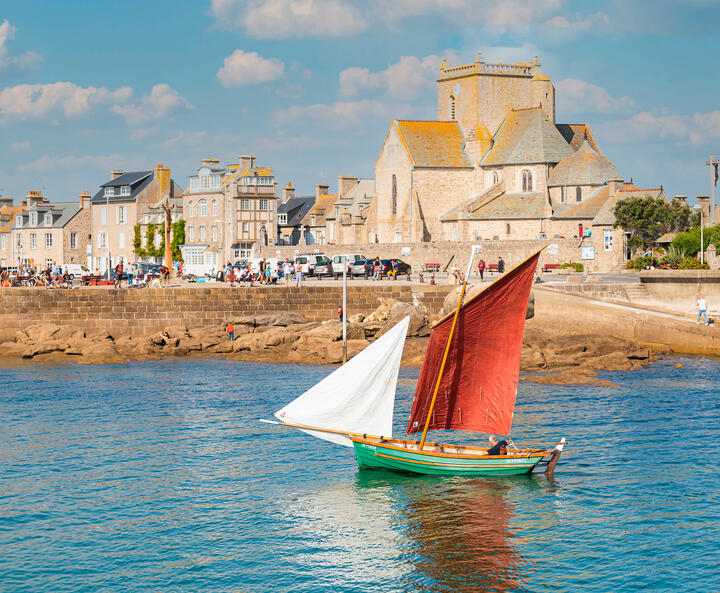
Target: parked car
[
  {"x": 359, "y": 268},
  {"x": 306, "y": 262},
  {"x": 386, "y": 266},
  {"x": 322, "y": 268},
  {"x": 337, "y": 263}
]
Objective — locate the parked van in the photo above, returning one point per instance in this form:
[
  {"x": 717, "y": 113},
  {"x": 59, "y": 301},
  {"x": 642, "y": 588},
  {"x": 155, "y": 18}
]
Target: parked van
[
  {"x": 351, "y": 260},
  {"x": 75, "y": 270},
  {"x": 270, "y": 261},
  {"x": 306, "y": 262}
]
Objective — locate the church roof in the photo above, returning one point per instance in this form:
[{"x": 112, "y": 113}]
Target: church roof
[
  {"x": 433, "y": 143},
  {"x": 527, "y": 136},
  {"x": 583, "y": 167},
  {"x": 588, "y": 208},
  {"x": 576, "y": 134},
  {"x": 505, "y": 206}
]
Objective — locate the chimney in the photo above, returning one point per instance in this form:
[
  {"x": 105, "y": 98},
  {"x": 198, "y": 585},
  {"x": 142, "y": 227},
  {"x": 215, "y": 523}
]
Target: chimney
[
  {"x": 162, "y": 178},
  {"x": 288, "y": 192},
  {"x": 5, "y": 203},
  {"x": 321, "y": 189},
  {"x": 615, "y": 185},
  {"x": 208, "y": 162},
  {"x": 704, "y": 204},
  {"x": 85, "y": 199},
  {"x": 247, "y": 161},
  {"x": 345, "y": 184},
  {"x": 34, "y": 197},
  {"x": 116, "y": 173},
  {"x": 681, "y": 199}
]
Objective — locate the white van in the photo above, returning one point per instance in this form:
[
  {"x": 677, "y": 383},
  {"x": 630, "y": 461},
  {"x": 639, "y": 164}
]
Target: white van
[
  {"x": 75, "y": 270},
  {"x": 350, "y": 258},
  {"x": 306, "y": 262},
  {"x": 270, "y": 261}
]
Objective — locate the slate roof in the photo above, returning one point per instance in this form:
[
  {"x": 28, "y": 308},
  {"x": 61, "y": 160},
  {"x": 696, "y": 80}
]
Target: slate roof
[
  {"x": 63, "y": 212},
  {"x": 583, "y": 167},
  {"x": 296, "y": 209},
  {"x": 259, "y": 172},
  {"x": 319, "y": 208},
  {"x": 576, "y": 134},
  {"x": 433, "y": 143},
  {"x": 512, "y": 205},
  {"x": 9, "y": 213},
  {"x": 137, "y": 180},
  {"x": 588, "y": 208},
  {"x": 527, "y": 136}
]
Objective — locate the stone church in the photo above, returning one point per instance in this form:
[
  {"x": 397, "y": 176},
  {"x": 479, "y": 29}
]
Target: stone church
[{"x": 495, "y": 165}]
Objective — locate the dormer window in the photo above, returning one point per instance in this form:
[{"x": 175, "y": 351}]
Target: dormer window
[
  {"x": 33, "y": 219},
  {"x": 125, "y": 190},
  {"x": 109, "y": 191},
  {"x": 282, "y": 218},
  {"x": 48, "y": 219}
]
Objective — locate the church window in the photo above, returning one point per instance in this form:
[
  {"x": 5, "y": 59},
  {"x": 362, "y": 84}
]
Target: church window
[
  {"x": 394, "y": 194},
  {"x": 507, "y": 228},
  {"x": 494, "y": 177},
  {"x": 578, "y": 194},
  {"x": 563, "y": 197},
  {"x": 452, "y": 107},
  {"x": 527, "y": 181}
]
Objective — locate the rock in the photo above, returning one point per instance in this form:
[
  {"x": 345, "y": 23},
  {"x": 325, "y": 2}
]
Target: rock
[
  {"x": 615, "y": 361},
  {"x": 42, "y": 331},
  {"x": 125, "y": 345},
  {"x": 99, "y": 336},
  {"x": 334, "y": 351},
  {"x": 372, "y": 329},
  {"x": 245, "y": 342},
  {"x": 266, "y": 320},
  {"x": 382, "y": 313},
  {"x": 69, "y": 333},
  {"x": 189, "y": 344},
  {"x": 12, "y": 348},
  {"x": 21, "y": 336},
  {"x": 8, "y": 334},
  {"x": 222, "y": 348},
  {"x": 357, "y": 318},
  {"x": 675, "y": 366},
  {"x": 641, "y": 354},
  {"x": 177, "y": 331},
  {"x": 160, "y": 339},
  {"x": 271, "y": 339},
  {"x": 531, "y": 359},
  {"x": 44, "y": 348},
  {"x": 574, "y": 376},
  {"x": 418, "y": 326},
  {"x": 331, "y": 331},
  {"x": 102, "y": 351}
]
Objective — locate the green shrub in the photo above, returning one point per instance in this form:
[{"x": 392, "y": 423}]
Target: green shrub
[
  {"x": 641, "y": 262},
  {"x": 689, "y": 241},
  {"x": 575, "y": 266},
  {"x": 692, "y": 263}
]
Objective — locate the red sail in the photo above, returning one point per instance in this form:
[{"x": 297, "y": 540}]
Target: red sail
[{"x": 479, "y": 383}]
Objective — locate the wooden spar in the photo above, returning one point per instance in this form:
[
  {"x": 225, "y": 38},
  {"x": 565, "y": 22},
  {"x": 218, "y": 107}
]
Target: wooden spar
[
  {"x": 316, "y": 429},
  {"x": 555, "y": 458},
  {"x": 447, "y": 351}
]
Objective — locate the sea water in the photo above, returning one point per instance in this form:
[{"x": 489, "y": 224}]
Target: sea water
[{"x": 157, "y": 476}]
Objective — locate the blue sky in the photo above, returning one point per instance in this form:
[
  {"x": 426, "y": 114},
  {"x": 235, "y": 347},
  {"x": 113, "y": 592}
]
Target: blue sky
[{"x": 311, "y": 86}]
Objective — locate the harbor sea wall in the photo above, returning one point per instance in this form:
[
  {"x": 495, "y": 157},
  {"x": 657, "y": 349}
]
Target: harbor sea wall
[
  {"x": 154, "y": 309},
  {"x": 680, "y": 289}
]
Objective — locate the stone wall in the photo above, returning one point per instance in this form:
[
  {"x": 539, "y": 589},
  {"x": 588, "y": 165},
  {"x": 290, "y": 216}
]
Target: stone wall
[
  {"x": 151, "y": 310},
  {"x": 681, "y": 288},
  {"x": 513, "y": 252}
]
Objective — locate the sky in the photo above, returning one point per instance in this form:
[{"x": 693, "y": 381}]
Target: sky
[{"x": 311, "y": 86}]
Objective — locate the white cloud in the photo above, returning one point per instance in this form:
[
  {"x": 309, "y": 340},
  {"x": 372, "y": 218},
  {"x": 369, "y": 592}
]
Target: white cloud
[
  {"x": 578, "y": 96},
  {"x": 336, "y": 116},
  {"x": 24, "y": 145},
  {"x": 245, "y": 68},
  {"x": 26, "y": 60},
  {"x": 105, "y": 162},
  {"x": 37, "y": 100},
  {"x": 695, "y": 128},
  {"x": 290, "y": 18},
  {"x": 598, "y": 21},
  {"x": 161, "y": 101}
]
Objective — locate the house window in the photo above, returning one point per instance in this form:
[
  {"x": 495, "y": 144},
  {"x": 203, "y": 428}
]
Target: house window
[
  {"x": 109, "y": 191},
  {"x": 332, "y": 231},
  {"x": 215, "y": 181},
  {"x": 73, "y": 240},
  {"x": 527, "y": 180},
  {"x": 494, "y": 177},
  {"x": 190, "y": 209},
  {"x": 48, "y": 219},
  {"x": 578, "y": 194},
  {"x": 102, "y": 240},
  {"x": 563, "y": 195},
  {"x": 103, "y": 215},
  {"x": 245, "y": 204},
  {"x": 607, "y": 239},
  {"x": 194, "y": 182},
  {"x": 190, "y": 234},
  {"x": 48, "y": 263},
  {"x": 48, "y": 239},
  {"x": 121, "y": 215},
  {"x": 507, "y": 228},
  {"x": 19, "y": 240},
  {"x": 121, "y": 240},
  {"x": 3, "y": 263},
  {"x": 394, "y": 194},
  {"x": 201, "y": 233},
  {"x": 33, "y": 219},
  {"x": 263, "y": 204},
  {"x": 245, "y": 250},
  {"x": 204, "y": 181},
  {"x": 214, "y": 208},
  {"x": 452, "y": 107},
  {"x": 3, "y": 242},
  {"x": 33, "y": 241},
  {"x": 214, "y": 233},
  {"x": 202, "y": 207},
  {"x": 246, "y": 227},
  {"x": 282, "y": 218},
  {"x": 312, "y": 220},
  {"x": 125, "y": 190}
]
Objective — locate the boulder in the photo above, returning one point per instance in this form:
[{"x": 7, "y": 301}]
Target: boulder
[
  {"x": 222, "y": 348},
  {"x": 334, "y": 351},
  {"x": 418, "y": 326},
  {"x": 9, "y": 334},
  {"x": 69, "y": 332},
  {"x": 100, "y": 336},
  {"x": 102, "y": 351},
  {"x": 263, "y": 321},
  {"x": 177, "y": 331},
  {"x": 12, "y": 348},
  {"x": 531, "y": 359},
  {"x": 641, "y": 354},
  {"x": 357, "y": 318},
  {"x": 382, "y": 312},
  {"x": 574, "y": 376},
  {"x": 44, "y": 348},
  {"x": 615, "y": 361},
  {"x": 189, "y": 344},
  {"x": 245, "y": 342},
  {"x": 331, "y": 331},
  {"x": 42, "y": 331}
]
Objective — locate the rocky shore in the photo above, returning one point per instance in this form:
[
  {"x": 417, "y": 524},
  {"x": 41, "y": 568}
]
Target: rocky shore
[{"x": 549, "y": 356}]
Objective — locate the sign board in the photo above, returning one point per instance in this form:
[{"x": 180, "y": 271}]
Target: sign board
[
  {"x": 588, "y": 252},
  {"x": 405, "y": 251},
  {"x": 552, "y": 249}
]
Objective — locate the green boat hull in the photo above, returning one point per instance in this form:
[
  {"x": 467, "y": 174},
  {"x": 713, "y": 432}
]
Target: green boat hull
[{"x": 376, "y": 456}]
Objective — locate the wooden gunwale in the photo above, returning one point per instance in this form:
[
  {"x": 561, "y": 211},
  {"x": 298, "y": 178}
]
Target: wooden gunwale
[
  {"x": 455, "y": 465},
  {"x": 525, "y": 453}
]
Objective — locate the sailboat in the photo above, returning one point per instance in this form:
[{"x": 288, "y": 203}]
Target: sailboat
[{"x": 468, "y": 382}]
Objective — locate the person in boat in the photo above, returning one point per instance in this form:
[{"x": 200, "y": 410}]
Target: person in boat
[{"x": 497, "y": 447}]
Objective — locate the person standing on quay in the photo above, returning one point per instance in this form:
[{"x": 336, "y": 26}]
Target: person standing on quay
[
  {"x": 298, "y": 275},
  {"x": 376, "y": 268},
  {"x": 287, "y": 272},
  {"x": 230, "y": 331},
  {"x": 501, "y": 266},
  {"x": 130, "y": 274},
  {"x": 481, "y": 269},
  {"x": 702, "y": 310}
]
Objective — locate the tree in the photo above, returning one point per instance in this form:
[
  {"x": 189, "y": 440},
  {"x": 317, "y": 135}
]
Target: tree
[
  {"x": 648, "y": 218},
  {"x": 689, "y": 241},
  {"x": 178, "y": 238}
]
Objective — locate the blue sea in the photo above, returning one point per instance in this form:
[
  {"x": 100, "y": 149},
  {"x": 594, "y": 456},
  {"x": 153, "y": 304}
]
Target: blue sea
[{"x": 157, "y": 476}]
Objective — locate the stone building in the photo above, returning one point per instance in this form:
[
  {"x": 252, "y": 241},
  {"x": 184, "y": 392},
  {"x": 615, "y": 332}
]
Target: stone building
[
  {"x": 290, "y": 214},
  {"x": 345, "y": 223},
  {"x": 46, "y": 232},
  {"x": 118, "y": 206},
  {"x": 8, "y": 212},
  {"x": 314, "y": 224}
]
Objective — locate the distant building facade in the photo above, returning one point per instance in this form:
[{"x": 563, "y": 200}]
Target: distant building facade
[
  {"x": 291, "y": 212},
  {"x": 8, "y": 212}
]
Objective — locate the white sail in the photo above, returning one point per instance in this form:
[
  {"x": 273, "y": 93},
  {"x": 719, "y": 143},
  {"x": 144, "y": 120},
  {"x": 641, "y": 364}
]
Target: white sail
[{"x": 358, "y": 397}]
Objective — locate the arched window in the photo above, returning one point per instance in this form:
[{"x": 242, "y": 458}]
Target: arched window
[
  {"x": 394, "y": 194},
  {"x": 527, "y": 180},
  {"x": 452, "y": 107},
  {"x": 202, "y": 207},
  {"x": 578, "y": 194},
  {"x": 494, "y": 177},
  {"x": 562, "y": 195},
  {"x": 214, "y": 207},
  {"x": 507, "y": 228},
  {"x": 191, "y": 209}
]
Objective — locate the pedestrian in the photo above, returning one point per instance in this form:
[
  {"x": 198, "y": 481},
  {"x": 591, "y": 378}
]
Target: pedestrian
[
  {"x": 394, "y": 269},
  {"x": 130, "y": 274},
  {"x": 376, "y": 268},
  {"x": 481, "y": 269},
  {"x": 340, "y": 313},
  {"x": 702, "y": 310},
  {"x": 501, "y": 265},
  {"x": 456, "y": 273},
  {"x": 230, "y": 330},
  {"x": 262, "y": 271},
  {"x": 118, "y": 274},
  {"x": 287, "y": 272},
  {"x": 298, "y": 275}
]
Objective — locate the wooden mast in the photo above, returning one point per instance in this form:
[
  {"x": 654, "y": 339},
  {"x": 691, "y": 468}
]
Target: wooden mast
[{"x": 447, "y": 351}]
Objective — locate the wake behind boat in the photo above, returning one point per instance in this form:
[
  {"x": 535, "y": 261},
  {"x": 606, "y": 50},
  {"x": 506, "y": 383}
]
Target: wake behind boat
[{"x": 468, "y": 382}]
